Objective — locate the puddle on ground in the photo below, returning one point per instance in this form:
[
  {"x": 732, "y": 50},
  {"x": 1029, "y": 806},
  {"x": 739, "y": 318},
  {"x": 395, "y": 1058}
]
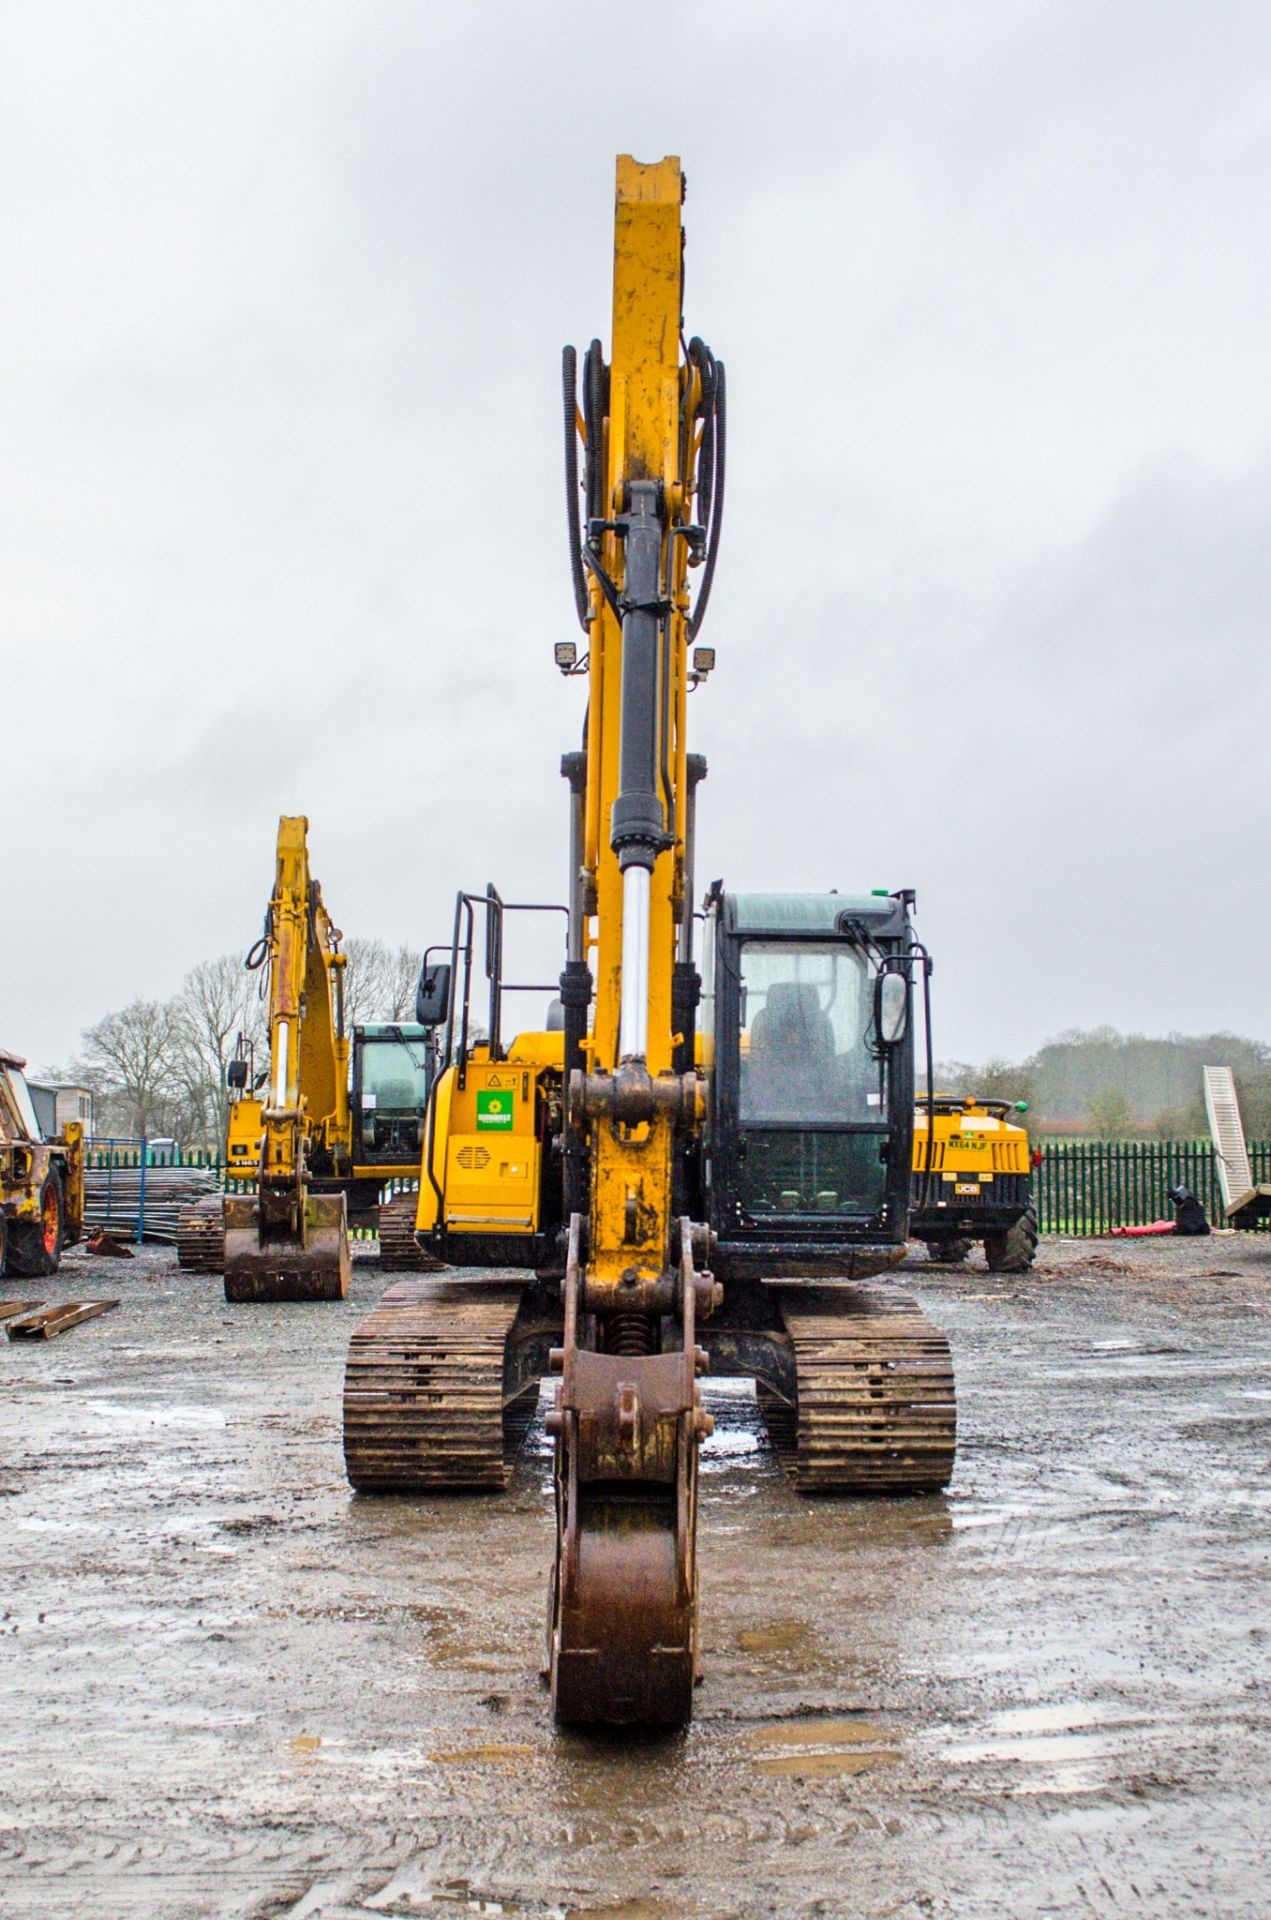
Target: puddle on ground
[
  {"x": 778, "y": 1636},
  {"x": 490, "y": 1755},
  {"x": 134, "y": 1415},
  {"x": 1056, "y": 1719},
  {"x": 821, "y": 1748},
  {"x": 1070, "y": 1748},
  {"x": 740, "y": 1436},
  {"x": 1004, "y": 1516}
]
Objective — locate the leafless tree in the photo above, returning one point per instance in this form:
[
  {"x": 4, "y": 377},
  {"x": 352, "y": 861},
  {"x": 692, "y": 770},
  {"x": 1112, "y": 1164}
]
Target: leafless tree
[
  {"x": 379, "y": 982},
  {"x": 218, "y": 1000},
  {"x": 158, "y": 1067},
  {"x": 129, "y": 1062}
]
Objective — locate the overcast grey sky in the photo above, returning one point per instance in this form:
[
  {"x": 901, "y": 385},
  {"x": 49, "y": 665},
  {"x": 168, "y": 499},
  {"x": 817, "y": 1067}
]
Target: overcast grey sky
[{"x": 285, "y": 289}]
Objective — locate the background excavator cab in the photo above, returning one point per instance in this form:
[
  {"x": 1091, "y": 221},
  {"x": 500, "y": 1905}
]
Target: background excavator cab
[{"x": 394, "y": 1065}]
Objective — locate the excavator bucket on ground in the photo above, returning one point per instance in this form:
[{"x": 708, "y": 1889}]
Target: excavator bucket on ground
[
  {"x": 622, "y": 1633},
  {"x": 310, "y": 1265}
]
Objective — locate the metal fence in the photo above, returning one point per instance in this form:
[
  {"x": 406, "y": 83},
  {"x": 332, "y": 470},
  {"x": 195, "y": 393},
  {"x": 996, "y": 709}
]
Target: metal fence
[
  {"x": 106, "y": 1151},
  {"x": 137, "y": 1190},
  {"x": 1081, "y": 1187},
  {"x": 138, "y": 1193},
  {"x": 1086, "y": 1186}
]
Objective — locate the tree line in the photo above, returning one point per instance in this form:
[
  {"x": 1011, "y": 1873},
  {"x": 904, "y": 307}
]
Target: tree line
[
  {"x": 156, "y": 1068},
  {"x": 1116, "y": 1085}
]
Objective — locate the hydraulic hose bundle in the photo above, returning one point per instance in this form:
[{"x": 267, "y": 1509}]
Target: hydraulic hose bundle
[{"x": 711, "y": 462}]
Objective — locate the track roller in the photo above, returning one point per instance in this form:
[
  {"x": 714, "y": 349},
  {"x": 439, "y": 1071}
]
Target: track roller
[
  {"x": 424, "y": 1401},
  {"x": 874, "y": 1410},
  {"x": 201, "y": 1235}
]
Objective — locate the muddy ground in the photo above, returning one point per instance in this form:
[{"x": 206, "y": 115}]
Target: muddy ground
[{"x": 229, "y": 1688}]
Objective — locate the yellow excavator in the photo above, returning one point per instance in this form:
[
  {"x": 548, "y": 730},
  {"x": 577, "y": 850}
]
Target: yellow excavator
[
  {"x": 704, "y": 1156},
  {"x": 313, "y": 1142}
]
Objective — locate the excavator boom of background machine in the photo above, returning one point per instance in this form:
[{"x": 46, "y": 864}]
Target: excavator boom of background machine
[{"x": 285, "y": 1241}]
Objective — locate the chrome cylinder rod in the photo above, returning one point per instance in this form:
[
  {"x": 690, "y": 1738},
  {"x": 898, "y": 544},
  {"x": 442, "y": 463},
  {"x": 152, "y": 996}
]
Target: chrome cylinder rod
[
  {"x": 633, "y": 1024},
  {"x": 280, "y": 1078}
]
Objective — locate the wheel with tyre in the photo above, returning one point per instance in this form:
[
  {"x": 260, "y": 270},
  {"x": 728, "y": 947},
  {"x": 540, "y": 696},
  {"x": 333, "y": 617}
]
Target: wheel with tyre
[
  {"x": 35, "y": 1246},
  {"x": 948, "y": 1249},
  {"x": 1015, "y": 1250}
]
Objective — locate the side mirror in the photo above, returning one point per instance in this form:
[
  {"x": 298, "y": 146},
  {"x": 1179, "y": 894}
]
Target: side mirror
[
  {"x": 432, "y": 995},
  {"x": 891, "y": 1008},
  {"x": 236, "y": 1075}
]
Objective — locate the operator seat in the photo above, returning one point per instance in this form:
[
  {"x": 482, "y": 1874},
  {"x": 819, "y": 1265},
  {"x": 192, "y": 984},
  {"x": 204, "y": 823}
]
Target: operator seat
[{"x": 791, "y": 1057}]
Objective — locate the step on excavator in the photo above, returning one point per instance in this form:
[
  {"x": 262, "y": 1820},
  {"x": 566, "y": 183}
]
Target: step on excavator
[
  {"x": 313, "y": 1143},
  {"x": 704, "y": 1159}
]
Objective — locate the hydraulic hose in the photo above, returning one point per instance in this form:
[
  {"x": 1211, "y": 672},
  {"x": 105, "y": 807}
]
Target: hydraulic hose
[
  {"x": 595, "y": 407},
  {"x": 258, "y": 952},
  {"x": 704, "y": 360},
  {"x": 717, "y": 426},
  {"x": 569, "y": 384}
]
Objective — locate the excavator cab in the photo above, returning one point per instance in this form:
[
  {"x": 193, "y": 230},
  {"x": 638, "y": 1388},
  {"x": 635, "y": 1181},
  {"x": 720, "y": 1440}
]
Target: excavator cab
[
  {"x": 394, "y": 1065},
  {"x": 809, "y": 1134}
]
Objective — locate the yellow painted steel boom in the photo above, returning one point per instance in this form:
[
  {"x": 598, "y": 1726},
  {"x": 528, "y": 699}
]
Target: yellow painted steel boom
[
  {"x": 284, "y": 1241},
  {"x": 628, "y": 1419}
]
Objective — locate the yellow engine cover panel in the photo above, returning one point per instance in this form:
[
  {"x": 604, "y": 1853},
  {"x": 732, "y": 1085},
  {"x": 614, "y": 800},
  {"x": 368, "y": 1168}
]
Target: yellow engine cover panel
[
  {"x": 492, "y": 1152},
  {"x": 491, "y": 1184}
]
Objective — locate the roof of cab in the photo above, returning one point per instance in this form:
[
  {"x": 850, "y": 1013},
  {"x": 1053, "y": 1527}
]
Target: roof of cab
[{"x": 813, "y": 913}]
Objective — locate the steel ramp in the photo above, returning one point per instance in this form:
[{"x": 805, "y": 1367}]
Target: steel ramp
[{"x": 1240, "y": 1193}]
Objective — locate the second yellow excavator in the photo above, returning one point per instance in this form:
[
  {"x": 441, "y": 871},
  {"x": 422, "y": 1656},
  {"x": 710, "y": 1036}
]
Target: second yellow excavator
[{"x": 313, "y": 1143}]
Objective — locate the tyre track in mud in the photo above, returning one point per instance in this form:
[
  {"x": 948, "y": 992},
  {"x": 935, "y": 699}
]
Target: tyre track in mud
[{"x": 229, "y": 1688}]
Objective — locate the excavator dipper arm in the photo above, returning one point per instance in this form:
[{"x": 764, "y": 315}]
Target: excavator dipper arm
[{"x": 628, "y": 1419}]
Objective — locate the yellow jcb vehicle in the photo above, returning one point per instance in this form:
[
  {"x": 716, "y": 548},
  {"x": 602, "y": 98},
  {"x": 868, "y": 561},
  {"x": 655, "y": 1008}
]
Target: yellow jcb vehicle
[
  {"x": 972, "y": 1180},
  {"x": 41, "y": 1181},
  {"x": 315, "y": 1140},
  {"x": 703, "y": 1159}
]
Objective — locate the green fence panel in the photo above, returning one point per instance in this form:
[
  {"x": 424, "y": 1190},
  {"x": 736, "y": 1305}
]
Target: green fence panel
[
  {"x": 1088, "y": 1186},
  {"x": 110, "y": 1155}
]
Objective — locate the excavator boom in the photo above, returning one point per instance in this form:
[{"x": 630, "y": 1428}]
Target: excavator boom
[
  {"x": 628, "y": 1418},
  {"x": 284, "y": 1241}
]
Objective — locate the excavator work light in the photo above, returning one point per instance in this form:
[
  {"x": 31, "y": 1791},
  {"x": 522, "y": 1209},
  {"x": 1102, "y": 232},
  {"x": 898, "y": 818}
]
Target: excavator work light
[
  {"x": 566, "y": 654},
  {"x": 703, "y": 661}
]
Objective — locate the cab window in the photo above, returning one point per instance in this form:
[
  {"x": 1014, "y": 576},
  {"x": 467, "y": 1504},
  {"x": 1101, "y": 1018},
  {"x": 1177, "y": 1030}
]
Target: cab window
[{"x": 806, "y": 1012}]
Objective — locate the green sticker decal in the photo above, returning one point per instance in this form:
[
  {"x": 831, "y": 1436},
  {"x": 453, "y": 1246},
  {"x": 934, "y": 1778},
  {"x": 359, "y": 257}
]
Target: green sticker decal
[{"x": 494, "y": 1111}]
